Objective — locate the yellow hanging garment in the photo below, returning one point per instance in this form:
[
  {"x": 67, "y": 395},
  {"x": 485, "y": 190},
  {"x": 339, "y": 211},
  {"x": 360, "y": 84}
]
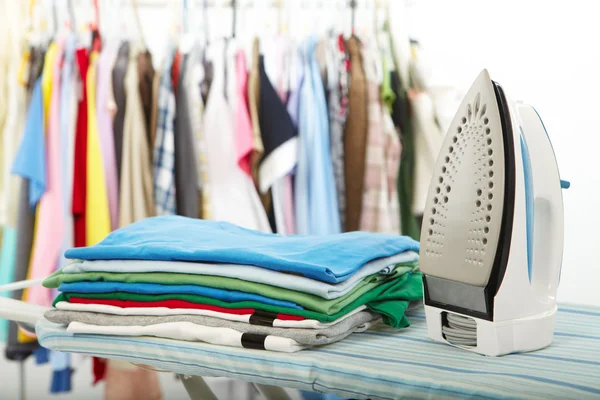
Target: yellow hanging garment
[
  {"x": 47, "y": 80},
  {"x": 97, "y": 223}
]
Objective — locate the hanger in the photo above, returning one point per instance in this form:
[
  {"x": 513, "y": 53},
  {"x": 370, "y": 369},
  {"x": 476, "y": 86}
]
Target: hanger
[
  {"x": 116, "y": 27},
  {"x": 233, "y": 17},
  {"x": 281, "y": 27},
  {"x": 352, "y": 17},
  {"x": 318, "y": 20},
  {"x": 187, "y": 40},
  {"x": 54, "y": 20},
  {"x": 71, "y": 11},
  {"x": 94, "y": 26},
  {"x": 138, "y": 24},
  {"x": 205, "y": 21},
  {"x": 24, "y": 65},
  {"x": 185, "y": 19}
]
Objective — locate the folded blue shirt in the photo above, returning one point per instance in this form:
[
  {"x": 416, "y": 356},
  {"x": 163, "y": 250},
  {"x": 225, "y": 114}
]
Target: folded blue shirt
[
  {"x": 230, "y": 296},
  {"x": 331, "y": 258}
]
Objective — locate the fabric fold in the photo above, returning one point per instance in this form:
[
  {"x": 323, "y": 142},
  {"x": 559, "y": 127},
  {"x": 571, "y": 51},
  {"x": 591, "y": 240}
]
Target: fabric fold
[
  {"x": 243, "y": 272},
  {"x": 190, "y": 332},
  {"x": 157, "y": 289},
  {"x": 176, "y": 282},
  {"x": 313, "y": 337},
  {"x": 173, "y": 307},
  {"x": 331, "y": 258},
  {"x": 393, "y": 296}
]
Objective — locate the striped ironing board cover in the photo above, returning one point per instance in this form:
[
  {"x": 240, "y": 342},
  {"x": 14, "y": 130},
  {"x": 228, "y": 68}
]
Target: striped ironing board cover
[{"x": 382, "y": 363}]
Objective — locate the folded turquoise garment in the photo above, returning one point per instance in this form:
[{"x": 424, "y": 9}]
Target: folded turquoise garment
[
  {"x": 230, "y": 296},
  {"x": 331, "y": 258}
]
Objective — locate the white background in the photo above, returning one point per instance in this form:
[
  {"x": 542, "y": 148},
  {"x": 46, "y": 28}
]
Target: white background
[
  {"x": 547, "y": 54},
  {"x": 543, "y": 52}
]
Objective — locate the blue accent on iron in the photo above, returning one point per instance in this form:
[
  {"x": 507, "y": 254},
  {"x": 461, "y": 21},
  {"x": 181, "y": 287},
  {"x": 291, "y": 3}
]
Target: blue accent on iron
[
  {"x": 563, "y": 184},
  {"x": 529, "y": 203}
]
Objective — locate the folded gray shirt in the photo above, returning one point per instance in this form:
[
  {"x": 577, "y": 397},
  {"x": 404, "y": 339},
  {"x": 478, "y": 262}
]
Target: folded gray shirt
[{"x": 358, "y": 322}]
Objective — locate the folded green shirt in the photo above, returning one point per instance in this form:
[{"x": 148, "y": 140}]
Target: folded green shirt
[
  {"x": 389, "y": 299},
  {"x": 306, "y": 300}
]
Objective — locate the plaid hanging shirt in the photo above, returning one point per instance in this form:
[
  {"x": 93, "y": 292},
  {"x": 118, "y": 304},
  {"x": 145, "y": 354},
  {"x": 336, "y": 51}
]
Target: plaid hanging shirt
[
  {"x": 163, "y": 159},
  {"x": 380, "y": 199}
]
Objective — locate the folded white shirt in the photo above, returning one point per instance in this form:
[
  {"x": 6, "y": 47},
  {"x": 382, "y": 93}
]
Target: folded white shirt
[{"x": 191, "y": 332}]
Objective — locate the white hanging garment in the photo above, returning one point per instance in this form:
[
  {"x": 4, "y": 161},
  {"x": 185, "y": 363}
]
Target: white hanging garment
[
  {"x": 428, "y": 141},
  {"x": 12, "y": 108},
  {"x": 233, "y": 196},
  {"x": 426, "y": 130}
]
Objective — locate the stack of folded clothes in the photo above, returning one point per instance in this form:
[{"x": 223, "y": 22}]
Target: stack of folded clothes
[{"x": 198, "y": 280}]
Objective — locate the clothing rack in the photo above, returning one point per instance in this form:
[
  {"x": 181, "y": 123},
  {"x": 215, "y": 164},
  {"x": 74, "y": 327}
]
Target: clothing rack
[
  {"x": 237, "y": 4},
  {"x": 181, "y": 18}
]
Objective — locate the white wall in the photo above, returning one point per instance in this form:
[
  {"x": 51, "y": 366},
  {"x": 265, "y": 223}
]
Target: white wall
[{"x": 545, "y": 53}]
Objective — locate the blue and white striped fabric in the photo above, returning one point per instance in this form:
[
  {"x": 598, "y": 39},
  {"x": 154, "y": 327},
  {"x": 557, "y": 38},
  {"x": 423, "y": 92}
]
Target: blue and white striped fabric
[{"x": 382, "y": 363}]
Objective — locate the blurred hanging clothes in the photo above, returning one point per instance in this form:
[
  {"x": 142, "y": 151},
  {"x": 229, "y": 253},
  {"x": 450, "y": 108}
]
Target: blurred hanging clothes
[
  {"x": 402, "y": 122},
  {"x": 39, "y": 245},
  {"x": 277, "y": 64},
  {"x": 81, "y": 139},
  {"x": 281, "y": 151},
  {"x": 192, "y": 82},
  {"x": 355, "y": 136},
  {"x": 30, "y": 166},
  {"x": 68, "y": 119},
  {"x": 118, "y": 93},
  {"x": 105, "y": 130},
  {"x": 98, "y": 223},
  {"x": 379, "y": 205},
  {"x": 146, "y": 76},
  {"x": 391, "y": 129},
  {"x": 244, "y": 140},
  {"x": 136, "y": 200},
  {"x": 337, "y": 84},
  {"x": 233, "y": 195},
  {"x": 164, "y": 144},
  {"x": 317, "y": 211},
  {"x": 49, "y": 228},
  {"x": 186, "y": 174},
  {"x": 154, "y": 111},
  {"x": 428, "y": 135},
  {"x": 254, "y": 106},
  {"x": 195, "y": 80},
  {"x": 11, "y": 132},
  {"x": 176, "y": 70}
]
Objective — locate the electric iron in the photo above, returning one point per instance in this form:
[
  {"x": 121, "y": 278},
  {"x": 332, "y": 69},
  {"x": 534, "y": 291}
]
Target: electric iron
[{"x": 492, "y": 234}]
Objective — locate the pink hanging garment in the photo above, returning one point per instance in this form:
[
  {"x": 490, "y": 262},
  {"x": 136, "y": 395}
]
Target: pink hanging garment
[
  {"x": 244, "y": 142},
  {"x": 106, "y": 134}
]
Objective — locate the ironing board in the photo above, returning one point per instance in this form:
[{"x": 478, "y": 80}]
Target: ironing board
[{"x": 381, "y": 363}]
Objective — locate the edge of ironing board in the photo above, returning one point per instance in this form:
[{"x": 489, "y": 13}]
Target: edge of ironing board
[{"x": 379, "y": 364}]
